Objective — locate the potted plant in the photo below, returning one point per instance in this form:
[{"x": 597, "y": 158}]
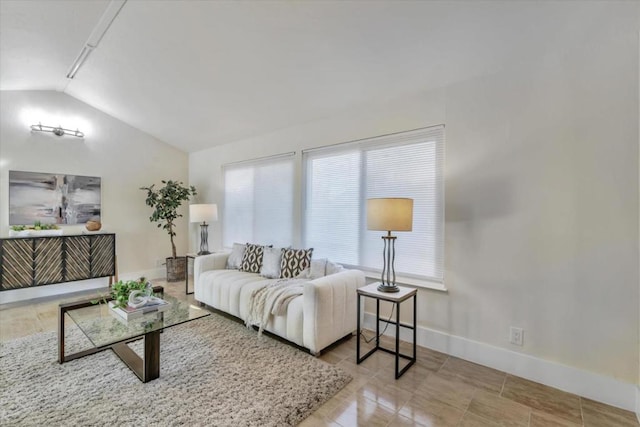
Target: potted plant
[
  {"x": 165, "y": 202},
  {"x": 37, "y": 229},
  {"x": 120, "y": 290}
]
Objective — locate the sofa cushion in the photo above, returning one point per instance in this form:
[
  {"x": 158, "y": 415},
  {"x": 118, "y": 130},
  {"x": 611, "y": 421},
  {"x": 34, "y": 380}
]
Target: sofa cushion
[
  {"x": 221, "y": 288},
  {"x": 252, "y": 258},
  {"x": 294, "y": 261},
  {"x": 289, "y": 326},
  {"x": 235, "y": 257}
]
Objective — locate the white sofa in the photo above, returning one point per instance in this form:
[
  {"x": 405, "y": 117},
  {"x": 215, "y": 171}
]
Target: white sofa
[{"x": 323, "y": 314}]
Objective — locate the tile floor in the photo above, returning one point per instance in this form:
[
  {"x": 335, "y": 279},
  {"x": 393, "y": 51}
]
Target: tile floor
[{"x": 437, "y": 391}]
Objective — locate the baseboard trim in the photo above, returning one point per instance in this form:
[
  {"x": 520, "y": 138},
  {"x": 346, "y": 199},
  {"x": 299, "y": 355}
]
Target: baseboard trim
[
  {"x": 155, "y": 273},
  {"x": 638, "y": 403},
  {"x": 36, "y": 292},
  {"x": 583, "y": 383}
]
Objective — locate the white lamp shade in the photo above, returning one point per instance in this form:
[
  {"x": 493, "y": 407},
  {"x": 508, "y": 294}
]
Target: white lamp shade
[
  {"x": 391, "y": 214},
  {"x": 203, "y": 212}
]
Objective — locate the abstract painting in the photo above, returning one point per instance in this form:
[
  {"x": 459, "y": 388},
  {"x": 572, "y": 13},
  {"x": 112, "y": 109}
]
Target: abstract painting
[{"x": 52, "y": 198}]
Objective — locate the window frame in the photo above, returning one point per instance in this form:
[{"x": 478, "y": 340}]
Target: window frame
[{"x": 374, "y": 143}]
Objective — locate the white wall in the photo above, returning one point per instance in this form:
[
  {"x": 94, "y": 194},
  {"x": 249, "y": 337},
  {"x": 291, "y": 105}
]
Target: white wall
[
  {"x": 541, "y": 200},
  {"x": 124, "y": 157}
]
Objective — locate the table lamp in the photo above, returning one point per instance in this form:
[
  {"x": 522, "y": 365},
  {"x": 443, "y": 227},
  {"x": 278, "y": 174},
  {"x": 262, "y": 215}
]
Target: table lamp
[
  {"x": 202, "y": 213},
  {"x": 389, "y": 214}
]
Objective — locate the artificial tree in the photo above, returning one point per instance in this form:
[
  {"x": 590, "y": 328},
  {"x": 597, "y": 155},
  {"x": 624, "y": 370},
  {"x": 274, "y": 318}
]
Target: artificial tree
[{"x": 165, "y": 202}]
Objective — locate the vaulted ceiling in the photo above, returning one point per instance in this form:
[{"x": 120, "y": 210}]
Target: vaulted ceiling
[{"x": 200, "y": 73}]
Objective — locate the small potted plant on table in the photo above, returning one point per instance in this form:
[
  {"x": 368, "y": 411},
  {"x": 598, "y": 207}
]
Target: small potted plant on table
[
  {"x": 165, "y": 202},
  {"x": 120, "y": 290}
]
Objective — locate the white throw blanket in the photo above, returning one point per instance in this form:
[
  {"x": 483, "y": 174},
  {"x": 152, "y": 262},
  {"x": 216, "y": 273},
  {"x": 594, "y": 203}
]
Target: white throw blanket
[{"x": 272, "y": 300}]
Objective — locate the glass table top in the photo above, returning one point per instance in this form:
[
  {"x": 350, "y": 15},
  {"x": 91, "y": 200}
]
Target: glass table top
[{"x": 103, "y": 327}]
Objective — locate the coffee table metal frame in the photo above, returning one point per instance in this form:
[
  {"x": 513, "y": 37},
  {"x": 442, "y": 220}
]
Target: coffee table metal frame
[{"x": 147, "y": 368}]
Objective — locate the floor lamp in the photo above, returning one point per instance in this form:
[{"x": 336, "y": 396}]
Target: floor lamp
[
  {"x": 389, "y": 214},
  {"x": 202, "y": 213}
]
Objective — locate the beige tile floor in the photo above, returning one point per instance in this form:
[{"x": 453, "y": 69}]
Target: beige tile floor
[{"x": 437, "y": 391}]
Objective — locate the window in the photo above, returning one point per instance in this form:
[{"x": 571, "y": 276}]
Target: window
[
  {"x": 339, "y": 180},
  {"x": 258, "y": 201}
]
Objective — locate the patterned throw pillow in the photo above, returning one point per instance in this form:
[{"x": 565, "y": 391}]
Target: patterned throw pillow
[
  {"x": 252, "y": 258},
  {"x": 294, "y": 261}
]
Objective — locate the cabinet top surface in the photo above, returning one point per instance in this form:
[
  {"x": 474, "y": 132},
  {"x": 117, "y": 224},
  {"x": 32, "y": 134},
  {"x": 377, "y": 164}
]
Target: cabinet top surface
[{"x": 58, "y": 236}]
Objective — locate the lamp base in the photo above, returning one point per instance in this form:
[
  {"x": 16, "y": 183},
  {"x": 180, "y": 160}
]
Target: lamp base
[
  {"x": 204, "y": 236},
  {"x": 388, "y": 288}
]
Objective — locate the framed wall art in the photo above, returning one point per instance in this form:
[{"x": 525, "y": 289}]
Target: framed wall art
[{"x": 53, "y": 198}]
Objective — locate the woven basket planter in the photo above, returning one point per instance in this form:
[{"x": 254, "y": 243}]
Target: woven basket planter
[{"x": 176, "y": 269}]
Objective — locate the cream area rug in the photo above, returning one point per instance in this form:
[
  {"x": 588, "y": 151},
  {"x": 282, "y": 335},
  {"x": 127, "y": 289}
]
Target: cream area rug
[{"x": 213, "y": 372}]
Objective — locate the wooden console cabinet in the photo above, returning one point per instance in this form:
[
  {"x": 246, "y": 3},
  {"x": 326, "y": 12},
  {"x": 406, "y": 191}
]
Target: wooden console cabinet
[{"x": 36, "y": 261}]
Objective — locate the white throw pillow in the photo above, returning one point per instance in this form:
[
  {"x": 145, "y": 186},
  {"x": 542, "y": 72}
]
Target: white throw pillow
[
  {"x": 315, "y": 270},
  {"x": 304, "y": 274},
  {"x": 318, "y": 268},
  {"x": 235, "y": 258},
  {"x": 271, "y": 259},
  {"x": 333, "y": 268}
]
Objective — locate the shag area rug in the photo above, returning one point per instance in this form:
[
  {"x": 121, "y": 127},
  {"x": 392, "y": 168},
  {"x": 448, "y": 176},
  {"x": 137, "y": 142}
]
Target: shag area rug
[{"x": 213, "y": 372}]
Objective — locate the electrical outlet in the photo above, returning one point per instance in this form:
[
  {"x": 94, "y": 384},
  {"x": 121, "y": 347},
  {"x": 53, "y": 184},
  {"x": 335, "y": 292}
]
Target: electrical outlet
[{"x": 516, "y": 335}]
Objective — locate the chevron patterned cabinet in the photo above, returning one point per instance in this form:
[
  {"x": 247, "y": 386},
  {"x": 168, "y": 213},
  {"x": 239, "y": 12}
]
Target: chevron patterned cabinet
[{"x": 36, "y": 261}]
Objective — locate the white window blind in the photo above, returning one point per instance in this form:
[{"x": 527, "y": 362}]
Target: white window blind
[
  {"x": 332, "y": 213},
  {"x": 258, "y": 202},
  {"x": 340, "y": 179}
]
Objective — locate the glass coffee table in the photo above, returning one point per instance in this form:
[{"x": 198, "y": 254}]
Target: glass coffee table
[{"x": 106, "y": 330}]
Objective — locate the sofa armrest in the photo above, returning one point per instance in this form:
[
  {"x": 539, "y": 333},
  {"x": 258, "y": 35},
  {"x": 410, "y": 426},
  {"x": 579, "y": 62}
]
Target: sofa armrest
[
  {"x": 217, "y": 261},
  {"x": 330, "y": 309}
]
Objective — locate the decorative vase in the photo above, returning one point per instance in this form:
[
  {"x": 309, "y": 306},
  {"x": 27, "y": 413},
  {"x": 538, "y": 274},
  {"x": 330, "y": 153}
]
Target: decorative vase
[{"x": 93, "y": 225}]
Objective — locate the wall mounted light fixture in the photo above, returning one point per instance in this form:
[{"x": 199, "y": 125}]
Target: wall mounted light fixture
[{"x": 58, "y": 131}]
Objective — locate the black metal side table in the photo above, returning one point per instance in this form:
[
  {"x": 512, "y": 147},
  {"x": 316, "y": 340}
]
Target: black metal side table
[
  {"x": 189, "y": 256},
  {"x": 396, "y": 298}
]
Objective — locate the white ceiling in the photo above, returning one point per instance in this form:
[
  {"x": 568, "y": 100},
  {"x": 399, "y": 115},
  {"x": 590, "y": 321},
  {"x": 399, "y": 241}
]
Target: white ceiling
[{"x": 200, "y": 73}]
